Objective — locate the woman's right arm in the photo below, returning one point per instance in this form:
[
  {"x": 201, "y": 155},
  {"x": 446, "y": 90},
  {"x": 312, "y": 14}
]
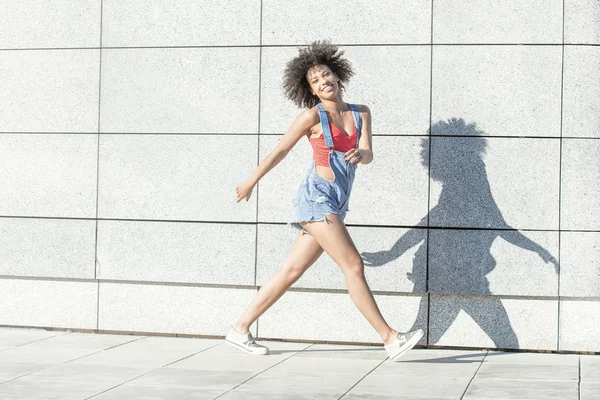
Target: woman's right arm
[{"x": 300, "y": 127}]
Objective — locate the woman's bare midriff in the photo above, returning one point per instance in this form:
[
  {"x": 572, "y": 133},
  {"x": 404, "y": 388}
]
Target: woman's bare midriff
[{"x": 325, "y": 173}]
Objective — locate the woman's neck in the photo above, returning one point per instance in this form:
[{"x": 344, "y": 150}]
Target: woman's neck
[{"x": 335, "y": 106}]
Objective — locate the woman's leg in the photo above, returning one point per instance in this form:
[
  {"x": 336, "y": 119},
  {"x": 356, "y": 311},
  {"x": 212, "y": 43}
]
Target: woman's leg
[
  {"x": 305, "y": 251},
  {"x": 333, "y": 237}
]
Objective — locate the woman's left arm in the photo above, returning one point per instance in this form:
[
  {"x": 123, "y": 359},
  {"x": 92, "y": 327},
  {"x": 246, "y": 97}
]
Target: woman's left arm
[{"x": 364, "y": 153}]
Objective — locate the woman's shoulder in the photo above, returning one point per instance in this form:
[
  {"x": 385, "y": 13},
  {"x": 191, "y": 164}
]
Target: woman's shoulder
[
  {"x": 310, "y": 114},
  {"x": 362, "y": 108},
  {"x": 308, "y": 118}
]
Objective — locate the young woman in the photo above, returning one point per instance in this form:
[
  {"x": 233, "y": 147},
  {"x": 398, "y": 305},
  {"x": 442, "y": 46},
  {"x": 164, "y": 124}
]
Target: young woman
[{"x": 340, "y": 135}]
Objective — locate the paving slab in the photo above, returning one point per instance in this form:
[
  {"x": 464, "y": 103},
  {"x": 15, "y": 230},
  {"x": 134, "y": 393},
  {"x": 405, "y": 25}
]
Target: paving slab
[
  {"x": 445, "y": 356},
  {"x": 344, "y": 351},
  {"x": 13, "y": 337},
  {"x": 57, "y": 348},
  {"x": 509, "y": 389},
  {"x": 296, "y": 385},
  {"x": 81, "y": 366},
  {"x": 46, "y": 355},
  {"x": 261, "y": 395},
  {"x": 194, "y": 379},
  {"x": 152, "y": 352},
  {"x": 12, "y": 370},
  {"x": 56, "y": 381},
  {"x": 134, "y": 392},
  {"x": 411, "y": 387},
  {"x": 438, "y": 370},
  {"x": 282, "y": 373},
  {"x": 529, "y": 372},
  {"x": 394, "y": 397},
  {"x": 590, "y": 369},
  {"x": 590, "y": 391},
  {"x": 78, "y": 340},
  {"x": 223, "y": 357},
  {"x": 74, "y": 372},
  {"x": 496, "y": 357},
  {"x": 323, "y": 365},
  {"x": 28, "y": 388}
]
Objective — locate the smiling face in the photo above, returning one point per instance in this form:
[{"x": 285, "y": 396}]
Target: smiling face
[{"x": 323, "y": 82}]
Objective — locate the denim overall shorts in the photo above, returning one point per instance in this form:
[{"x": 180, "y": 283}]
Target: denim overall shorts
[{"x": 317, "y": 197}]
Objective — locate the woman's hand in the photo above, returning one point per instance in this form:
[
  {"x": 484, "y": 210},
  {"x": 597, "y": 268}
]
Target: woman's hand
[
  {"x": 244, "y": 191},
  {"x": 376, "y": 259},
  {"x": 354, "y": 156},
  {"x": 299, "y": 129},
  {"x": 548, "y": 258}
]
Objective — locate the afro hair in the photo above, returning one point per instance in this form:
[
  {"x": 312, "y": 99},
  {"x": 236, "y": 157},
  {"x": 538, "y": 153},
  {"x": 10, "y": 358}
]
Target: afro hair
[{"x": 295, "y": 84}]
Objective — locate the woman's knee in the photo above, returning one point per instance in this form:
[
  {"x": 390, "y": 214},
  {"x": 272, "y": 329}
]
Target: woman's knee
[
  {"x": 291, "y": 272},
  {"x": 353, "y": 265}
]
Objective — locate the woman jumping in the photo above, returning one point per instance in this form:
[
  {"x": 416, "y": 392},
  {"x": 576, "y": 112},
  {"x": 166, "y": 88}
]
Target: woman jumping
[{"x": 340, "y": 135}]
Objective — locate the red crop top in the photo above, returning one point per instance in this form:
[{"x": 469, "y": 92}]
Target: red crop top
[{"x": 341, "y": 142}]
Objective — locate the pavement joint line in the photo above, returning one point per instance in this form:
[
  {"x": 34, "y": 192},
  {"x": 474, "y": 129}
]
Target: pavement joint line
[
  {"x": 264, "y": 370},
  {"x": 64, "y": 362},
  {"x": 474, "y": 375},
  {"x": 38, "y": 340},
  {"x": 203, "y": 336},
  {"x": 363, "y": 377},
  {"x": 149, "y": 372},
  {"x": 28, "y": 373},
  {"x": 193, "y": 354},
  {"x": 579, "y": 381},
  {"x": 108, "y": 348}
]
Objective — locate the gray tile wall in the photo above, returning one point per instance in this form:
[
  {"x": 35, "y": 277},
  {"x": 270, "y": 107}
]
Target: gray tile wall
[{"x": 125, "y": 127}]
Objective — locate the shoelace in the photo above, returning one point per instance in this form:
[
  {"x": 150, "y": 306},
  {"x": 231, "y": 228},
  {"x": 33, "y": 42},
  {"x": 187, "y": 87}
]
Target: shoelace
[
  {"x": 251, "y": 343},
  {"x": 402, "y": 339}
]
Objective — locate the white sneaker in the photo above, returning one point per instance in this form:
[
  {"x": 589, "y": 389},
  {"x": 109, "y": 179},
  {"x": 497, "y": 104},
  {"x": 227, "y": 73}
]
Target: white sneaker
[
  {"x": 403, "y": 343},
  {"x": 245, "y": 342}
]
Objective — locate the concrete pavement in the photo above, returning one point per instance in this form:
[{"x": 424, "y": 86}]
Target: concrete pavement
[{"x": 41, "y": 364}]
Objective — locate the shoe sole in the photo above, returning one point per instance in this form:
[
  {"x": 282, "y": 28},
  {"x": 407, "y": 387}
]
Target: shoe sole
[
  {"x": 237, "y": 346},
  {"x": 409, "y": 345}
]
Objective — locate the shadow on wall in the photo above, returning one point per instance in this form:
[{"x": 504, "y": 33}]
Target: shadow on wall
[{"x": 459, "y": 260}]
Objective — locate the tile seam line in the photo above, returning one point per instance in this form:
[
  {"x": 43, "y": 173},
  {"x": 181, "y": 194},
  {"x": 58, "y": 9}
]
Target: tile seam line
[
  {"x": 36, "y": 341},
  {"x": 430, "y": 145},
  {"x": 98, "y": 171},
  {"x": 264, "y": 370},
  {"x": 444, "y": 228},
  {"x": 234, "y": 46},
  {"x": 579, "y": 380},
  {"x": 560, "y": 158},
  {"x": 149, "y": 372},
  {"x": 474, "y": 375},
  {"x": 303, "y": 290},
  {"x": 245, "y": 134},
  {"x": 67, "y": 361},
  {"x": 362, "y": 378},
  {"x": 257, "y": 202},
  {"x": 150, "y": 334}
]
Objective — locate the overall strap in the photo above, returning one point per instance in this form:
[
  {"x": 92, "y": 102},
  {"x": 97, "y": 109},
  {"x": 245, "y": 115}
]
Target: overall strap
[
  {"x": 325, "y": 126},
  {"x": 357, "y": 121}
]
